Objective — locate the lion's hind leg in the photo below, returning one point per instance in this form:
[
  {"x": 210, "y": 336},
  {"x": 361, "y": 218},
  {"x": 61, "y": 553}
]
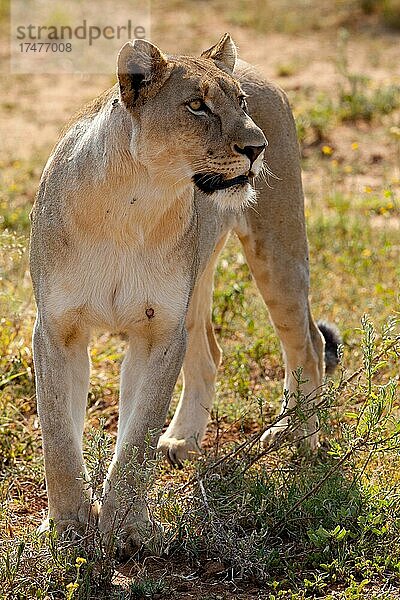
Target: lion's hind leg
[{"x": 274, "y": 241}]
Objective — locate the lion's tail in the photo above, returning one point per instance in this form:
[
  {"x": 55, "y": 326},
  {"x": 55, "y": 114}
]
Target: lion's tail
[{"x": 332, "y": 341}]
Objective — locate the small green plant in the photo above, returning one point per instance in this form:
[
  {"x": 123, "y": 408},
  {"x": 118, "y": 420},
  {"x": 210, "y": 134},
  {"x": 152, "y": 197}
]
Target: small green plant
[
  {"x": 147, "y": 589},
  {"x": 315, "y": 119},
  {"x": 253, "y": 518},
  {"x": 358, "y": 100},
  {"x": 388, "y": 10},
  {"x": 11, "y": 564},
  {"x": 286, "y": 69},
  {"x": 73, "y": 587}
]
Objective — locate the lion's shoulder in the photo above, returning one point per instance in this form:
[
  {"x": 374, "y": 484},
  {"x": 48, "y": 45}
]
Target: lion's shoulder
[{"x": 91, "y": 109}]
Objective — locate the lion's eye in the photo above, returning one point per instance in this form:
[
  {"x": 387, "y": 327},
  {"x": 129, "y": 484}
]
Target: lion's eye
[
  {"x": 197, "y": 107},
  {"x": 195, "y": 104}
]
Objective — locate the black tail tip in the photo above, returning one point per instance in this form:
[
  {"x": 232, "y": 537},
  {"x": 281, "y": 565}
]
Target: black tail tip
[{"x": 332, "y": 341}]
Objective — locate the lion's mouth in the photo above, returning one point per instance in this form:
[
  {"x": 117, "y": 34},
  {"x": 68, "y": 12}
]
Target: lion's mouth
[{"x": 211, "y": 182}]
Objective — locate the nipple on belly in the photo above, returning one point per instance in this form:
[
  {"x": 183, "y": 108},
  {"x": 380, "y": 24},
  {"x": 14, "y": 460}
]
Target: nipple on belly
[{"x": 149, "y": 313}]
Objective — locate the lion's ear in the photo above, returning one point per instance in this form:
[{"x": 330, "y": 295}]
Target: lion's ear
[
  {"x": 223, "y": 52},
  {"x": 141, "y": 67}
]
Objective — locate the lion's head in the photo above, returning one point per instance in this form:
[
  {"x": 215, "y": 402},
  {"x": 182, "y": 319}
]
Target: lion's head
[{"x": 192, "y": 121}]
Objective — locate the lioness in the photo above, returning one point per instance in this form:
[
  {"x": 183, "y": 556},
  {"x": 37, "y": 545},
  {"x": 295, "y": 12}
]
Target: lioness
[{"x": 134, "y": 206}]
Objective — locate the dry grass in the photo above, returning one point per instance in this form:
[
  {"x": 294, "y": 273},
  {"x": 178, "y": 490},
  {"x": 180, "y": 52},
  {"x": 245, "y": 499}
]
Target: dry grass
[{"x": 264, "y": 531}]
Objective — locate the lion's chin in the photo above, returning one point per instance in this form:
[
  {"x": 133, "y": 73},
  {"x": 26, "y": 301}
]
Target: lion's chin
[
  {"x": 235, "y": 198},
  {"x": 233, "y": 194}
]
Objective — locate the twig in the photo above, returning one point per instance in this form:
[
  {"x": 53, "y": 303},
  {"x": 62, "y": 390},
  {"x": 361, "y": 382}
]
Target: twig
[{"x": 318, "y": 485}]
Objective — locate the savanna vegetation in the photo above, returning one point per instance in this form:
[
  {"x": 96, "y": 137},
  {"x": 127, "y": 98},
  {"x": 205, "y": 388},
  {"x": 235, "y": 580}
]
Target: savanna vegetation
[{"x": 243, "y": 521}]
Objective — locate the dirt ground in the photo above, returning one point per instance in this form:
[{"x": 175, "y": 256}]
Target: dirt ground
[
  {"x": 33, "y": 109},
  {"x": 32, "y": 114}
]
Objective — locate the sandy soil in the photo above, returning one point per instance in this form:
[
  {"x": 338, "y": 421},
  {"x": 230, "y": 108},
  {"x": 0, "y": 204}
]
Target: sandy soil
[{"x": 33, "y": 109}]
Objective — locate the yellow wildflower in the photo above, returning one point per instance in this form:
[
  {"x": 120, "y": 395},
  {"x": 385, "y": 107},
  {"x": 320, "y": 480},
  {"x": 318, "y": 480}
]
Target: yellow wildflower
[
  {"x": 72, "y": 586},
  {"x": 366, "y": 253},
  {"x": 327, "y": 150},
  {"x": 348, "y": 169},
  {"x": 354, "y": 146},
  {"x": 80, "y": 561},
  {"x": 368, "y": 189},
  {"x": 387, "y": 193},
  {"x": 395, "y": 132}
]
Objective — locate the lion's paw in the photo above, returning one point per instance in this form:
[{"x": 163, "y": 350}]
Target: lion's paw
[
  {"x": 178, "y": 450},
  {"x": 73, "y": 529},
  {"x": 272, "y": 434},
  {"x": 137, "y": 536},
  {"x": 140, "y": 538},
  {"x": 276, "y": 434},
  {"x": 66, "y": 529}
]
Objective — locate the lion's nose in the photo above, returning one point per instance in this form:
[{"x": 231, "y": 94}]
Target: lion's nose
[{"x": 252, "y": 152}]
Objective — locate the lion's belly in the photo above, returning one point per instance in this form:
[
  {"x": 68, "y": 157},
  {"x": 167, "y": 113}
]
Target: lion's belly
[{"x": 120, "y": 290}]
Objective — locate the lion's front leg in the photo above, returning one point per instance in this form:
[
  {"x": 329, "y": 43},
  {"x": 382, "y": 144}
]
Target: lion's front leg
[
  {"x": 148, "y": 377},
  {"x": 62, "y": 377}
]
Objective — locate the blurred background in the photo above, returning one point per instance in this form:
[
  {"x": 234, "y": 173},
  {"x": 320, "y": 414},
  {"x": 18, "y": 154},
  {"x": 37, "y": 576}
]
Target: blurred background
[{"x": 339, "y": 62}]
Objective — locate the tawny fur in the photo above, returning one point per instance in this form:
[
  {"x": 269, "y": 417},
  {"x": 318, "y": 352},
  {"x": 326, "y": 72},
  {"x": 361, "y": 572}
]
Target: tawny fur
[{"x": 122, "y": 240}]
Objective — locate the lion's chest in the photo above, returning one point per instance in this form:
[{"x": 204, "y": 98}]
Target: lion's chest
[{"x": 122, "y": 289}]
